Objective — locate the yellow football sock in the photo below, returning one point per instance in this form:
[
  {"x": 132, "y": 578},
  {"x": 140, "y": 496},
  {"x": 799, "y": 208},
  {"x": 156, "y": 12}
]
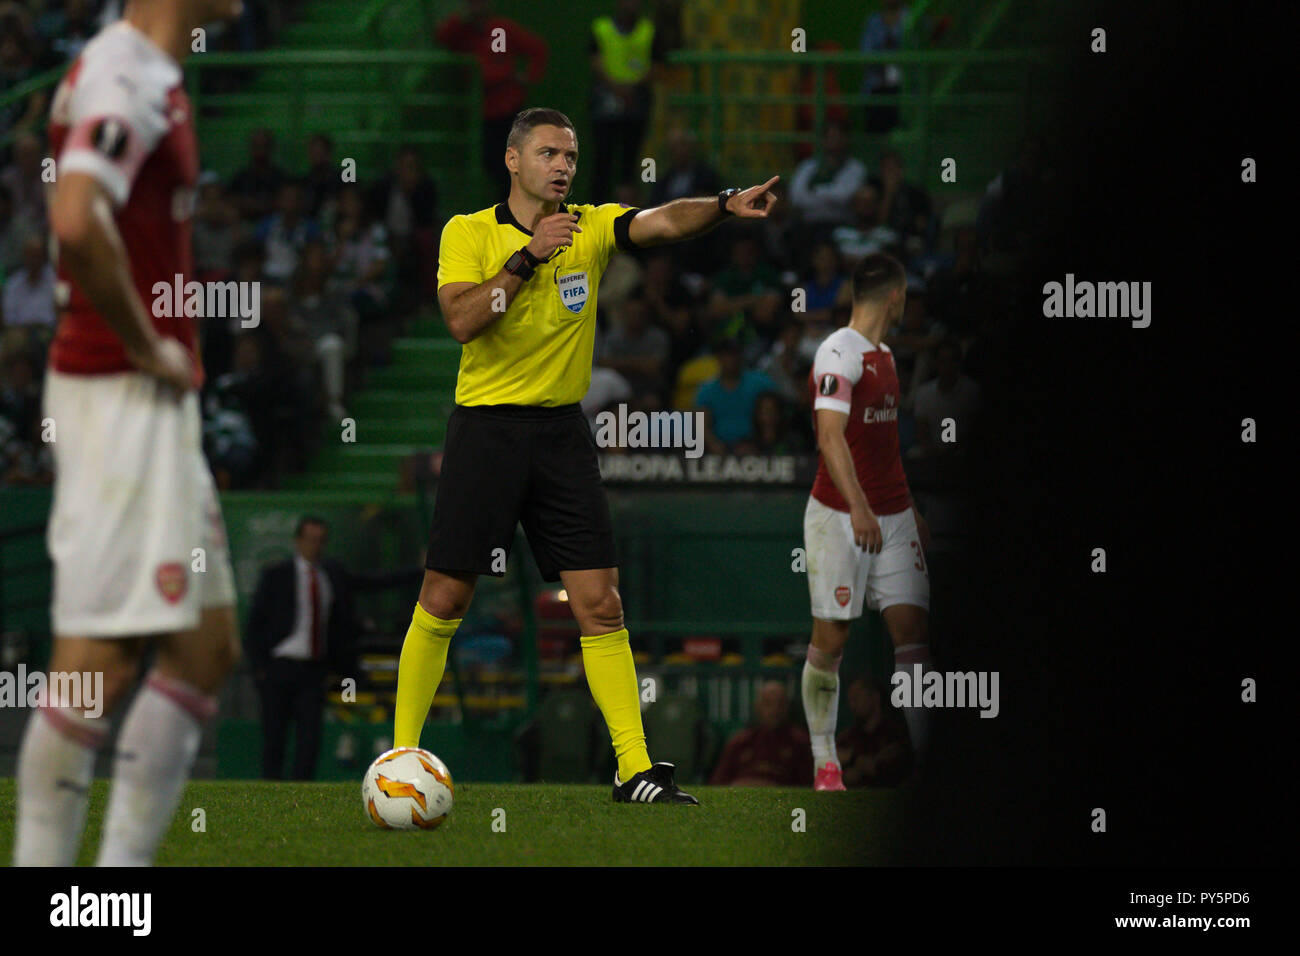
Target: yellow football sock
[
  {"x": 611, "y": 675},
  {"x": 419, "y": 672}
]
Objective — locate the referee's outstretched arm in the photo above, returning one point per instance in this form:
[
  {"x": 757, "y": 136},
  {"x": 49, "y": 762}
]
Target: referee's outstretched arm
[{"x": 686, "y": 218}]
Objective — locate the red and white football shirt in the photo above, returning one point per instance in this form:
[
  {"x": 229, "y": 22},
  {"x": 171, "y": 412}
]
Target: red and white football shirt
[
  {"x": 122, "y": 116},
  {"x": 853, "y": 376}
]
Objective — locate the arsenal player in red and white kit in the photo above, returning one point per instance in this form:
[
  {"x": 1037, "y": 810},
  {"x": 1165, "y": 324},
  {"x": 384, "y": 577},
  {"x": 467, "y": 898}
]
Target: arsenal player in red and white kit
[
  {"x": 863, "y": 537},
  {"x": 136, "y": 533}
]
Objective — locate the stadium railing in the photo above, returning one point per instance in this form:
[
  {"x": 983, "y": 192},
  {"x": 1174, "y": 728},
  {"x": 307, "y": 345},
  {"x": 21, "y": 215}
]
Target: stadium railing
[
  {"x": 742, "y": 101},
  {"x": 369, "y": 101}
]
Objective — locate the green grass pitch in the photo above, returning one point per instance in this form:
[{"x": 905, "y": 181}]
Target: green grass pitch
[{"x": 321, "y": 824}]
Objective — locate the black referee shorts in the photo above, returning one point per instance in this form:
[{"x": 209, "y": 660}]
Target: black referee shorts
[{"x": 505, "y": 464}]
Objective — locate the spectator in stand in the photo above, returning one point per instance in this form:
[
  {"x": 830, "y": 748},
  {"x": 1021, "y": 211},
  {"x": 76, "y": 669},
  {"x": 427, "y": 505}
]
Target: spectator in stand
[
  {"x": 915, "y": 339},
  {"x": 361, "y": 262},
  {"x": 882, "y": 33},
  {"x": 636, "y": 348},
  {"x": 508, "y": 67},
  {"x": 22, "y": 178},
  {"x": 607, "y": 389},
  {"x": 406, "y": 202},
  {"x": 772, "y": 432},
  {"x": 218, "y": 335},
  {"x": 779, "y": 235},
  {"x": 866, "y": 234},
  {"x": 806, "y": 114},
  {"x": 328, "y": 320},
  {"x": 23, "y": 463},
  {"x": 823, "y": 186},
  {"x": 1016, "y": 209},
  {"x": 904, "y": 208},
  {"x": 906, "y": 405},
  {"x": 216, "y": 231},
  {"x": 20, "y": 388},
  {"x": 747, "y": 296},
  {"x": 728, "y": 401},
  {"x": 949, "y": 395},
  {"x": 624, "y": 52},
  {"x": 29, "y": 292},
  {"x": 774, "y": 752},
  {"x": 960, "y": 294},
  {"x": 256, "y": 186},
  {"x": 292, "y": 362},
  {"x": 239, "y": 410},
  {"x": 826, "y": 292},
  {"x": 686, "y": 174},
  {"x": 69, "y": 30},
  {"x": 874, "y": 750},
  {"x": 12, "y": 235},
  {"x": 285, "y": 233},
  {"x": 18, "y": 64},
  {"x": 672, "y": 308},
  {"x": 784, "y": 364},
  {"x": 25, "y": 458},
  {"x": 323, "y": 180}
]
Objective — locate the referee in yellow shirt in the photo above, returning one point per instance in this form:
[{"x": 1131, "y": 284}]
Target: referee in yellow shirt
[{"x": 517, "y": 286}]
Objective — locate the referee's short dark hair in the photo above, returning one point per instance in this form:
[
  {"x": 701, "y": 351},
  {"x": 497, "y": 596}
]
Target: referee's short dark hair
[
  {"x": 876, "y": 276},
  {"x": 528, "y": 120}
]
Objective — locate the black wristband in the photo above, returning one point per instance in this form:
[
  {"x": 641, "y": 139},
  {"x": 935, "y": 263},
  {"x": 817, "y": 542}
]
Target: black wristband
[
  {"x": 532, "y": 259},
  {"x": 521, "y": 263},
  {"x": 725, "y": 195}
]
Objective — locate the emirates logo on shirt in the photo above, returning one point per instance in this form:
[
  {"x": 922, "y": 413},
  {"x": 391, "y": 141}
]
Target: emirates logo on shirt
[{"x": 171, "y": 581}]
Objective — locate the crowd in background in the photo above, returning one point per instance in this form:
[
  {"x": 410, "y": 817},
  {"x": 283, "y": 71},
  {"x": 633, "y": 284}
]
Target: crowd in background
[{"x": 712, "y": 324}]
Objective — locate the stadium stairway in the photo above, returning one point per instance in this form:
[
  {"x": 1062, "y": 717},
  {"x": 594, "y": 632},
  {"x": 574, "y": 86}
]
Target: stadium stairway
[
  {"x": 356, "y": 105},
  {"x": 401, "y": 410}
]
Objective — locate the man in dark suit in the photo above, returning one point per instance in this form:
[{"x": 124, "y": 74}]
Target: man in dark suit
[{"x": 301, "y": 627}]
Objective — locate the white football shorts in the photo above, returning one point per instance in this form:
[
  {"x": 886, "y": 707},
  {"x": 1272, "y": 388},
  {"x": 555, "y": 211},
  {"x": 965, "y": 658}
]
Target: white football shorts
[
  {"x": 842, "y": 575},
  {"x": 135, "y": 533}
]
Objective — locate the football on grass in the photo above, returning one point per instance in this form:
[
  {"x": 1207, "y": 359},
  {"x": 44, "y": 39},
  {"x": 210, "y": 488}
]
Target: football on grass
[{"x": 407, "y": 789}]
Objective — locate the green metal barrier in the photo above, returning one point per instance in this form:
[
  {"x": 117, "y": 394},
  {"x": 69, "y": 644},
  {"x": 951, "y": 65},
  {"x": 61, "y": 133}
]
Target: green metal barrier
[
  {"x": 742, "y": 100},
  {"x": 370, "y": 101}
]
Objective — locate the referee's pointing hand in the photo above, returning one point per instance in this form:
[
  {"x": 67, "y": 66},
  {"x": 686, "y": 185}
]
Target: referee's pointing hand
[
  {"x": 755, "y": 202},
  {"x": 553, "y": 232}
]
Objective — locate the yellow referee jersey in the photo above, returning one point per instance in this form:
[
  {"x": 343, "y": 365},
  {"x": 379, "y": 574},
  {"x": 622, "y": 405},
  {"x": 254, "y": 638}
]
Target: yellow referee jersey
[{"x": 539, "y": 352}]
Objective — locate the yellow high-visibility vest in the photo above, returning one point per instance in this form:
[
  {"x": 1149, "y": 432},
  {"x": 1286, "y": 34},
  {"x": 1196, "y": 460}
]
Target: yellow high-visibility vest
[{"x": 625, "y": 56}]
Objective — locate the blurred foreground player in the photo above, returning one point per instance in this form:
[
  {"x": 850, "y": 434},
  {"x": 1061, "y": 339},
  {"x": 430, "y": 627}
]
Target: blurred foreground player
[
  {"x": 517, "y": 288},
  {"x": 133, "y": 496},
  {"x": 864, "y": 539}
]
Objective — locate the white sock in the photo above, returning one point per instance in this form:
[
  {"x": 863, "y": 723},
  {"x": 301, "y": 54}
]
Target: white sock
[
  {"x": 918, "y": 721},
  {"x": 55, "y": 766},
  {"x": 155, "y": 752},
  {"x": 821, "y": 703}
]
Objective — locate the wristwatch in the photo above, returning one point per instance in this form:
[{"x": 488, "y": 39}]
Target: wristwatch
[
  {"x": 724, "y": 196},
  {"x": 522, "y": 263}
]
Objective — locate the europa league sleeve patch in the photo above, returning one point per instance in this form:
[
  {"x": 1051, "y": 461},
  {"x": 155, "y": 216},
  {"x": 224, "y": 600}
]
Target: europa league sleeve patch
[
  {"x": 109, "y": 138},
  {"x": 830, "y": 385}
]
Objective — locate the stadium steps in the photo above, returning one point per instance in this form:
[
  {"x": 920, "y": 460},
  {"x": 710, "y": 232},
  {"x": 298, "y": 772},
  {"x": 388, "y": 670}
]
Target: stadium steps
[
  {"x": 402, "y": 410},
  {"x": 339, "y": 100}
]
